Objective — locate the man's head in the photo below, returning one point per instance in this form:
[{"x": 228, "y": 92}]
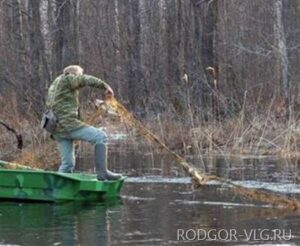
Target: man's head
[{"x": 73, "y": 69}]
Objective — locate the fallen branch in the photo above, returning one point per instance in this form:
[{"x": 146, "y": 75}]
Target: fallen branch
[
  {"x": 18, "y": 136},
  {"x": 199, "y": 178}
]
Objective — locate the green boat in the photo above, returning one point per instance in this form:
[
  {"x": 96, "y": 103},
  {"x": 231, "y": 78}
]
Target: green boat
[{"x": 40, "y": 185}]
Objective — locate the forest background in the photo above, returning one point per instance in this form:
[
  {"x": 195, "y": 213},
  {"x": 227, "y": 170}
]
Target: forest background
[{"x": 208, "y": 76}]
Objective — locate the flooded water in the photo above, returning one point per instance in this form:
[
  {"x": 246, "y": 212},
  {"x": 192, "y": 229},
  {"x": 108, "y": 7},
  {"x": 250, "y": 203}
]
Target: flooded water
[{"x": 159, "y": 207}]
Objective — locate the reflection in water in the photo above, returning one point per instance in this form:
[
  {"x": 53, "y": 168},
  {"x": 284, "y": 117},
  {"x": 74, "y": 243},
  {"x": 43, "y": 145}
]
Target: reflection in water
[
  {"x": 156, "y": 201},
  {"x": 70, "y": 223}
]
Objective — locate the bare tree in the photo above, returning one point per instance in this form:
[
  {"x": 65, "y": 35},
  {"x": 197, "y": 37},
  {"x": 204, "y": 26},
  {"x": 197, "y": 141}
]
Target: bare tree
[
  {"x": 144, "y": 49},
  {"x": 279, "y": 35}
]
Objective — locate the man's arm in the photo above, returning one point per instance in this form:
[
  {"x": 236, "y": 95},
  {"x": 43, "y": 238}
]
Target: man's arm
[{"x": 87, "y": 80}]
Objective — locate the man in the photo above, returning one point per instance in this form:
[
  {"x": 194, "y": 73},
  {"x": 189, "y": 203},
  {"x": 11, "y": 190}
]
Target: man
[{"x": 63, "y": 100}]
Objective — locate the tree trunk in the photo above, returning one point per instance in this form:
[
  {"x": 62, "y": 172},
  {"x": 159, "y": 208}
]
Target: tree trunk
[
  {"x": 18, "y": 46},
  {"x": 39, "y": 71},
  {"x": 66, "y": 44},
  {"x": 282, "y": 54}
]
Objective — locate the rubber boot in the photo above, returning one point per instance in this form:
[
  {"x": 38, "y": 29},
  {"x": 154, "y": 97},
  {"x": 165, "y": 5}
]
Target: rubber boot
[{"x": 101, "y": 164}]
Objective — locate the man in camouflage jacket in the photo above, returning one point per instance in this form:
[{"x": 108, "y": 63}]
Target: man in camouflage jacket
[{"x": 64, "y": 102}]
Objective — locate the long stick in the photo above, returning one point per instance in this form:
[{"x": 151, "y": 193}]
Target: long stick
[
  {"x": 199, "y": 178},
  {"x": 11, "y": 165}
]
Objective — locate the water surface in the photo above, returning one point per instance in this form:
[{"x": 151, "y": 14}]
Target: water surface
[{"x": 158, "y": 206}]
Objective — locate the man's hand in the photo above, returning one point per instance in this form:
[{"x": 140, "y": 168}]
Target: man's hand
[
  {"x": 99, "y": 103},
  {"x": 109, "y": 93}
]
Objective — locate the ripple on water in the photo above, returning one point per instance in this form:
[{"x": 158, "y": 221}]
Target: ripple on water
[
  {"x": 159, "y": 179},
  {"x": 276, "y": 187},
  {"x": 216, "y": 203},
  {"x": 268, "y": 244},
  {"x": 137, "y": 198},
  {"x": 144, "y": 241}
]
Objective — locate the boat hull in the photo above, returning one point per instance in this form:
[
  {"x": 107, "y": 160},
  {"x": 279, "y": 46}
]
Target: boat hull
[{"x": 55, "y": 187}]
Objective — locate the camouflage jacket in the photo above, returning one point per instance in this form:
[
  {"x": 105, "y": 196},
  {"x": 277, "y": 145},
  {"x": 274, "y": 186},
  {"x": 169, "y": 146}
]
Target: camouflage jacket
[{"x": 63, "y": 99}]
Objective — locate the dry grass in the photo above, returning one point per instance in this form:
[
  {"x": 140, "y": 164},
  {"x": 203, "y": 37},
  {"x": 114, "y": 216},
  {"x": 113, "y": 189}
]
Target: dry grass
[
  {"x": 239, "y": 135},
  {"x": 235, "y": 136},
  {"x": 38, "y": 151}
]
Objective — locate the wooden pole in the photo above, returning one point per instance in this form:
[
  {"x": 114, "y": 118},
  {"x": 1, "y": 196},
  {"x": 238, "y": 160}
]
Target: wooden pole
[{"x": 11, "y": 165}]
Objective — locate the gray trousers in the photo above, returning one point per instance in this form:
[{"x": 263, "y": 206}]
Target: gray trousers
[{"x": 66, "y": 144}]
